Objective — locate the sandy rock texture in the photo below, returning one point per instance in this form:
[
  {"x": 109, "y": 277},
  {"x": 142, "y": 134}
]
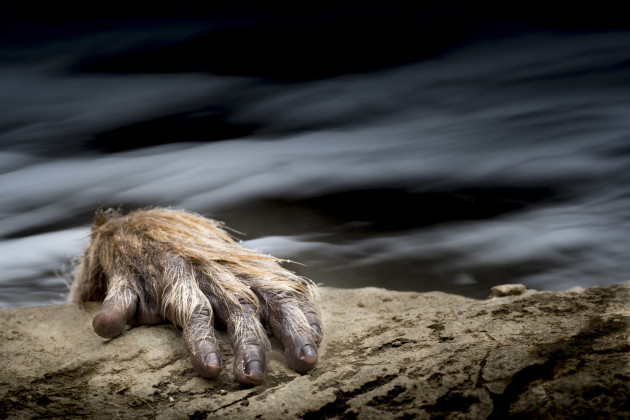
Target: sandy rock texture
[{"x": 385, "y": 355}]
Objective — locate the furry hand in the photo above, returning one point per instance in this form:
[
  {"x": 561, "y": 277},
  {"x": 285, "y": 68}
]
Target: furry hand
[{"x": 161, "y": 264}]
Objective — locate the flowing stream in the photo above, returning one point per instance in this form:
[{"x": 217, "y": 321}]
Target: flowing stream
[{"x": 504, "y": 160}]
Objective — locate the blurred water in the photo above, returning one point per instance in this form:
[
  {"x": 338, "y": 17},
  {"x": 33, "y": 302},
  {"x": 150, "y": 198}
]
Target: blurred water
[{"x": 495, "y": 162}]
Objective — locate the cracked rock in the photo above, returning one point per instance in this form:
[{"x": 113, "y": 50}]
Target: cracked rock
[{"x": 385, "y": 354}]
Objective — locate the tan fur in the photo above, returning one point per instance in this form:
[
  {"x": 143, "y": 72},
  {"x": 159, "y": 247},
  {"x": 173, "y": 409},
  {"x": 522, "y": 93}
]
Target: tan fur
[{"x": 176, "y": 257}]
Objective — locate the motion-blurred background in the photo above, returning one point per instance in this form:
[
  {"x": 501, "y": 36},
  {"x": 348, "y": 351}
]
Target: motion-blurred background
[{"x": 411, "y": 149}]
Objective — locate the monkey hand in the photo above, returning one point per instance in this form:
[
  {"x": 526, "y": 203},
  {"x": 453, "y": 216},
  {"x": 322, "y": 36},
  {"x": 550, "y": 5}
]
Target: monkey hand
[{"x": 161, "y": 264}]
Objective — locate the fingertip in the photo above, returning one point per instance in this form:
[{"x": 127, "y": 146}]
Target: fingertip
[
  {"x": 209, "y": 367},
  {"x": 109, "y": 324},
  {"x": 117, "y": 310},
  {"x": 302, "y": 361},
  {"x": 308, "y": 355},
  {"x": 249, "y": 365},
  {"x": 254, "y": 373}
]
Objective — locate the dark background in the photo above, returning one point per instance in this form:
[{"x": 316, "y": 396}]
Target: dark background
[{"x": 407, "y": 148}]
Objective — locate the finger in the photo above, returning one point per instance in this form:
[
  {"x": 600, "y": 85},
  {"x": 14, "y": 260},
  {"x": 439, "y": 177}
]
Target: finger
[
  {"x": 202, "y": 344},
  {"x": 248, "y": 338},
  {"x": 298, "y": 328},
  {"x": 117, "y": 310},
  {"x": 302, "y": 295},
  {"x": 186, "y": 306},
  {"x": 309, "y": 308},
  {"x": 310, "y": 311}
]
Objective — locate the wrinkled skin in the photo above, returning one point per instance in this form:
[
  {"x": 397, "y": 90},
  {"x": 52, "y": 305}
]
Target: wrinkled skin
[{"x": 155, "y": 286}]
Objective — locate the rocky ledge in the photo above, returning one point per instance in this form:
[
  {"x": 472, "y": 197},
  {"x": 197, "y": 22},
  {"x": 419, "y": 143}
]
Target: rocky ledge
[{"x": 385, "y": 354}]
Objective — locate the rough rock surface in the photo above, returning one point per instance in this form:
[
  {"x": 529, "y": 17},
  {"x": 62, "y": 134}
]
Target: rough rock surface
[{"x": 385, "y": 354}]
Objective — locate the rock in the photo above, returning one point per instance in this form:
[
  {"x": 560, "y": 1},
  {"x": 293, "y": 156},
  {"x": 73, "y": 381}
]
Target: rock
[
  {"x": 385, "y": 354},
  {"x": 507, "y": 290}
]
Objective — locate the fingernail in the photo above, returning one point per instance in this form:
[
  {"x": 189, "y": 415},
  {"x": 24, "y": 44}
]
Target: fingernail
[
  {"x": 254, "y": 369},
  {"x": 212, "y": 359},
  {"x": 308, "y": 354}
]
